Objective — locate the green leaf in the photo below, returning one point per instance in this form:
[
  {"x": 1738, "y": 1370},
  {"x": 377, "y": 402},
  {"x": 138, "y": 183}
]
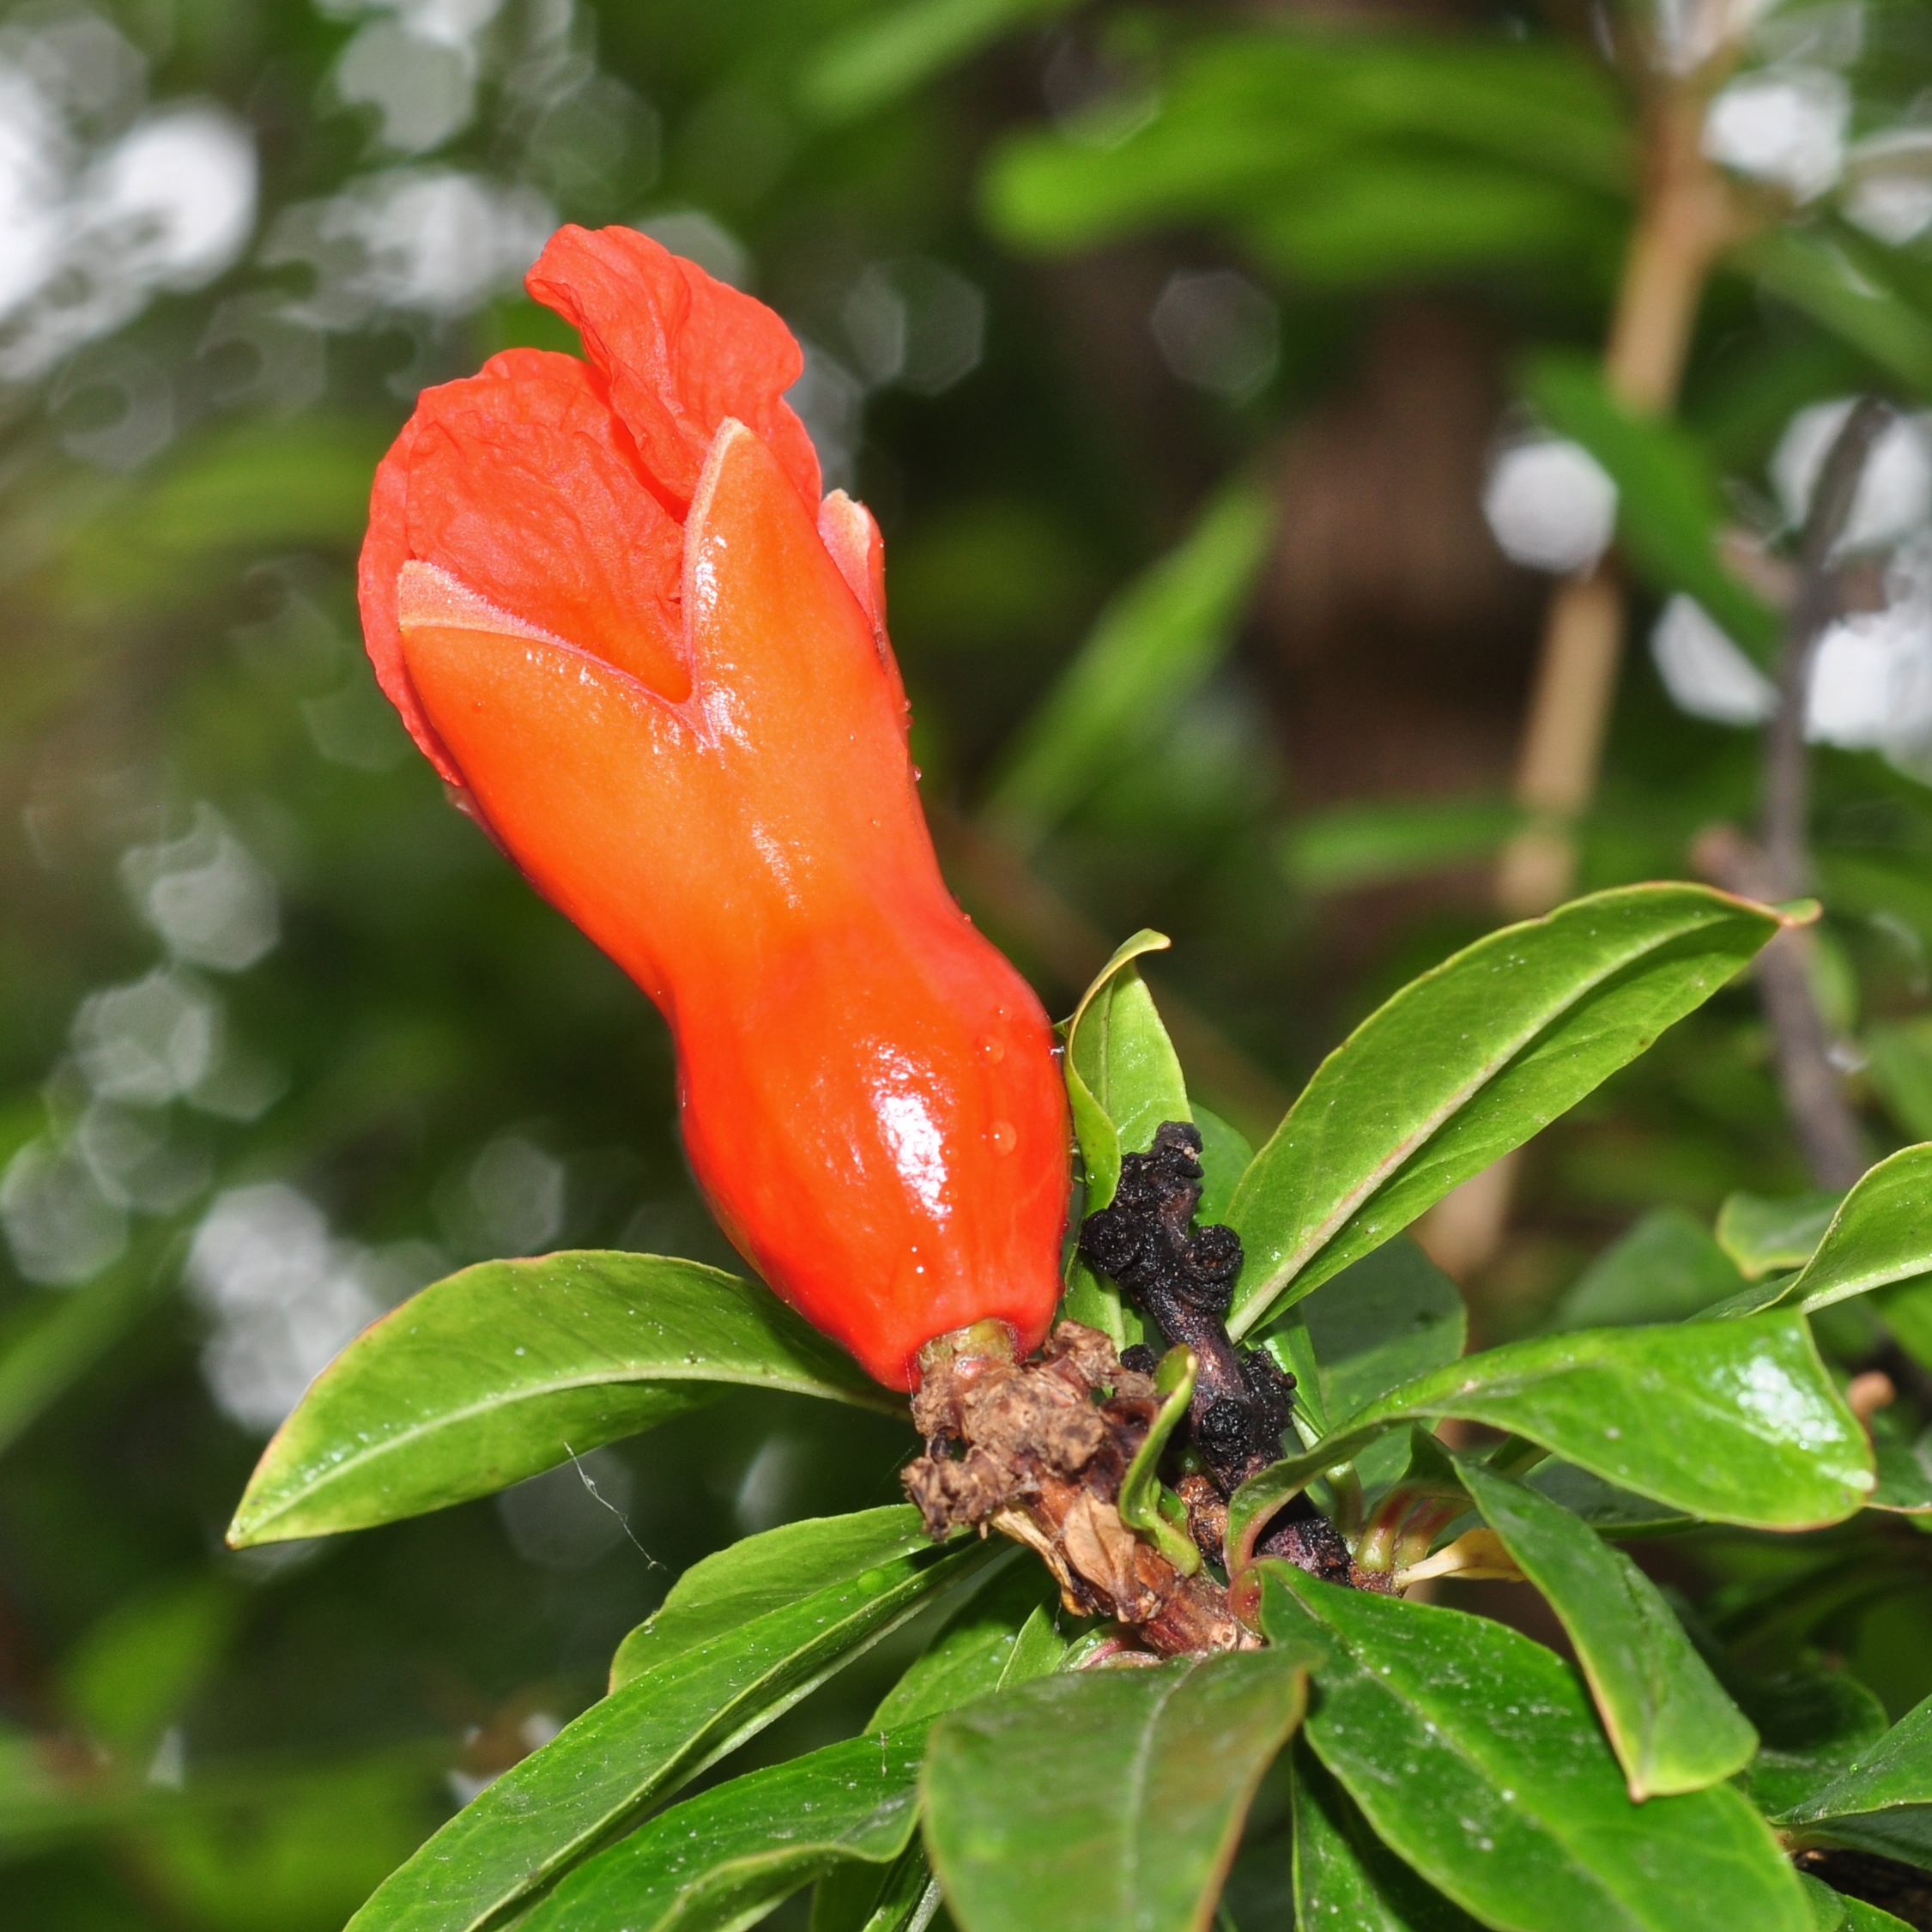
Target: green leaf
[
  {"x": 1812, "y": 1725},
  {"x": 729, "y": 1856},
  {"x": 1135, "y": 1781},
  {"x": 1157, "y": 642},
  {"x": 1826, "y": 1907},
  {"x": 1224, "y": 1154},
  {"x": 1882, "y": 1233},
  {"x": 1349, "y": 846},
  {"x": 1384, "y": 1320},
  {"x": 1881, "y": 1803},
  {"x": 1670, "y": 511},
  {"x": 1904, "y": 1474},
  {"x": 1900, "y": 1055},
  {"x": 1665, "y": 1267},
  {"x": 1668, "y": 1719},
  {"x": 880, "y": 59},
  {"x": 1748, "y": 1429},
  {"x": 1141, "y": 1493},
  {"x": 1346, "y": 1879},
  {"x": 1817, "y": 274},
  {"x": 1508, "y": 1799},
  {"x": 508, "y": 1368},
  {"x": 1468, "y": 1062},
  {"x": 1123, "y": 1078},
  {"x": 45, "y": 1354},
  {"x": 1859, "y": 1917},
  {"x": 759, "y": 1574},
  {"x": 1388, "y": 216},
  {"x": 625, "y": 1754},
  {"x": 1004, "y": 1635},
  {"x": 1766, "y": 1237},
  {"x": 1609, "y": 1511},
  {"x": 135, "y": 1671}
]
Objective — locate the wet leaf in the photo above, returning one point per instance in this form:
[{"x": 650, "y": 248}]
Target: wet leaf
[
  {"x": 1669, "y": 1721},
  {"x": 510, "y": 1367},
  {"x": 1135, "y": 1783},
  {"x": 1508, "y": 1799},
  {"x": 601, "y": 1772},
  {"x": 1881, "y": 1802},
  {"x": 1747, "y": 1430},
  {"x": 1468, "y": 1062}
]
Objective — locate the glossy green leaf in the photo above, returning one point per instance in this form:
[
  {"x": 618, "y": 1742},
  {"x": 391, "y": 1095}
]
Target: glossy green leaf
[
  {"x": 1140, "y": 1492},
  {"x": 1224, "y": 1154},
  {"x": 1346, "y": 1879},
  {"x": 759, "y": 1574},
  {"x": 1135, "y": 1783},
  {"x": 1732, "y": 1421},
  {"x": 1004, "y": 1636},
  {"x": 1123, "y": 1078},
  {"x": 1469, "y": 1062},
  {"x": 1905, "y": 1474},
  {"x": 889, "y": 53},
  {"x": 729, "y": 1856},
  {"x": 1773, "y": 1237},
  {"x": 1156, "y": 643},
  {"x": 1859, "y": 1917},
  {"x": 508, "y": 1368},
  {"x": 627, "y": 1752},
  {"x": 1666, "y": 1267},
  {"x": 1670, "y": 511},
  {"x": 1508, "y": 1799},
  {"x": 1669, "y": 1721},
  {"x": 1882, "y": 1233},
  {"x": 1609, "y": 1511},
  {"x": 1881, "y": 1802}
]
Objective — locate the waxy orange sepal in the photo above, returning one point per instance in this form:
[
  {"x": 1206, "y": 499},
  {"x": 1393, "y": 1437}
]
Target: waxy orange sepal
[{"x": 607, "y": 602}]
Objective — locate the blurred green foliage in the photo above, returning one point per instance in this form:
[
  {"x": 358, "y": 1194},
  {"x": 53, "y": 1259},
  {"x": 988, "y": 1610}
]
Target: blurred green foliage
[{"x": 386, "y": 1057}]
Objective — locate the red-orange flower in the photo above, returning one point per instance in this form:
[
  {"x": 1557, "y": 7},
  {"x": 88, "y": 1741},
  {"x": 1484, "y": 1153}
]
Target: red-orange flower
[{"x": 608, "y": 603}]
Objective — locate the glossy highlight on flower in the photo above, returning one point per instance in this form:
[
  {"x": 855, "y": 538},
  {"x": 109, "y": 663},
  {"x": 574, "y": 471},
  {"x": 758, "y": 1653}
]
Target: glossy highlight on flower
[{"x": 608, "y": 603}]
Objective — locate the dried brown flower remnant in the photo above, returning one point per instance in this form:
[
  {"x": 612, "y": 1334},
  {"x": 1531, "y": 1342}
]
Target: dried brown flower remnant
[{"x": 1037, "y": 1450}]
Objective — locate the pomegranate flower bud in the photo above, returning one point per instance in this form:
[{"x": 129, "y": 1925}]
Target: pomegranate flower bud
[{"x": 608, "y": 604}]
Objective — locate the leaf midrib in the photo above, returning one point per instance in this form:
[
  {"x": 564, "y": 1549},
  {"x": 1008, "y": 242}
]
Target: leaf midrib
[
  {"x": 1400, "y": 1155},
  {"x": 797, "y": 1385}
]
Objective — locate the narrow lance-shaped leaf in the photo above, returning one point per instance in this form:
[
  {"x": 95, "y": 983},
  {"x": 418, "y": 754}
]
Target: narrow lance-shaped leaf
[
  {"x": 1346, "y": 1879},
  {"x": 887, "y": 55},
  {"x": 1882, "y": 1233},
  {"x": 768, "y": 1572},
  {"x": 1669, "y": 1722},
  {"x": 1774, "y": 1237},
  {"x": 727, "y": 1857},
  {"x": 1881, "y": 1803},
  {"x": 1004, "y": 1637},
  {"x": 627, "y": 1752},
  {"x": 1509, "y": 1799},
  {"x": 511, "y": 1367},
  {"x": 1135, "y": 1784},
  {"x": 1469, "y": 1062},
  {"x": 1123, "y": 1081},
  {"x": 1732, "y": 1421},
  {"x": 1151, "y": 648}
]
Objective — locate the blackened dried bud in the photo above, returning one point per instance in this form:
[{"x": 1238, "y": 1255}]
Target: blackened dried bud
[
  {"x": 1139, "y": 1357},
  {"x": 1113, "y": 1243},
  {"x": 1270, "y": 1393},
  {"x": 1224, "y": 1431},
  {"x": 1214, "y": 1254}
]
